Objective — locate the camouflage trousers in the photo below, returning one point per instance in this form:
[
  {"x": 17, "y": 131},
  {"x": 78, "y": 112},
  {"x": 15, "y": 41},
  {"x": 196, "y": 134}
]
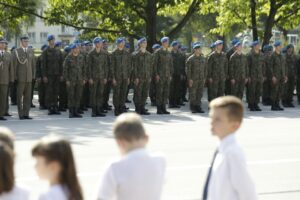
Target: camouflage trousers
[
  {"x": 74, "y": 93},
  {"x": 238, "y": 88},
  {"x": 162, "y": 91},
  {"x": 97, "y": 89},
  {"x": 288, "y": 90},
  {"x": 216, "y": 88},
  {"x": 196, "y": 92},
  {"x": 141, "y": 92},
  {"x": 254, "y": 91}
]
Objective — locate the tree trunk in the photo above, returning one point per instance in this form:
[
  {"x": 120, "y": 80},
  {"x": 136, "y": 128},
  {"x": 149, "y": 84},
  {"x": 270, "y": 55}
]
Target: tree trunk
[
  {"x": 253, "y": 20},
  {"x": 270, "y": 23},
  {"x": 151, "y": 13}
]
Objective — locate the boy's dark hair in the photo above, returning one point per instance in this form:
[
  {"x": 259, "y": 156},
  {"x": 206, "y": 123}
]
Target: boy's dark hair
[
  {"x": 233, "y": 105},
  {"x": 7, "y": 137},
  {"x": 129, "y": 127},
  {"x": 58, "y": 149},
  {"x": 7, "y": 176}
]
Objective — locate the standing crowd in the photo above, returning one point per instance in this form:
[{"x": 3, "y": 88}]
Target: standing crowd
[{"x": 83, "y": 75}]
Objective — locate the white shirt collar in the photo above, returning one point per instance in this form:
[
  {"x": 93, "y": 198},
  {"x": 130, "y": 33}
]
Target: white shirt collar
[
  {"x": 226, "y": 142},
  {"x": 136, "y": 152}
]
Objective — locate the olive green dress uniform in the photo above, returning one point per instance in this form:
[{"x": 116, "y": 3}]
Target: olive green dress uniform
[
  {"x": 197, "y": 72},
  {"x": 163, "y": 67},
  {"x": 278, "y": 70},
  {"x": 218, "y": 72},
  {"x": 256, "y": 75},
  {"x": 24, "y": 66},
  {"x": 52, "y": 69},
  {"x": 74, "y": 72},
  {"x": 175, "y": 85},
  {"x": 238, "y": 70},
  {"x": 267, "y": 84},
  {"x": 289, "y": 87},
  {"x": 142, "y": 63},
  {"x": 120, "y": 71},
  {"x": 6, "y": 77},
  {"x": 98, "y": 66}
]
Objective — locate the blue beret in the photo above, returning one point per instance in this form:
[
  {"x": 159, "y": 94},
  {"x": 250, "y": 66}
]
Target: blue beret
[
  {"x": 234, "y": 41},
  {"x": 77, "y": 41},
  {"x": 97, "y": 40},
  {"x": 67, "y": 48},
  {"x": 289, "y": 46},
  {"x": 277, "y": 43},
  {"x": 237, "y": 44},
  {"x": 254, "y": 43},
  {"x": 104, "y": 40},
  {"x": 73, "y": 46},
  {"x": 85, "y": 43},
  {"x": 266, "y": 47},
  {"x": 58, "y": 43},
  {"x": 174, "y": 43},
  {"x": 24, "y": 37},
  {"x": 141, "y": 40},
  {"x": 164, "y": 39},
  {"x": 212, "y": 45},
  {"x": 44, "y": 46},
  {"x": 50, "y": 37},
  {"x": 196, "y": 45},
  {"x": 270, "y": 48},
  {"x": 120, "y": 40},
  {"x": 218, "y": 42},
  {"x": 183, "y": 48},
  {"x": 127, "y": 45},
  {"x": 156, "y": 46}
]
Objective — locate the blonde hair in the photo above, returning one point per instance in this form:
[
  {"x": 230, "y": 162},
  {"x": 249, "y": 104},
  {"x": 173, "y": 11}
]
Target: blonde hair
[
  {"x": 233, "y": 106},
  {"x": 129, "y": 127}
]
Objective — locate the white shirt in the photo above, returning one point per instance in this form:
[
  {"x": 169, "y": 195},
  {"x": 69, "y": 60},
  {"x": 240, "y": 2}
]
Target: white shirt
[
  {"x": 230, "y": 179},
  {"x": 57, "y": 192},
  {"x": 136, "y": 176},
  {"x": 17, "y": 193}
]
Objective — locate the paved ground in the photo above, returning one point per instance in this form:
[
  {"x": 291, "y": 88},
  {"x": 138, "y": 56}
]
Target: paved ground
[{"x": 271, "y": 141}]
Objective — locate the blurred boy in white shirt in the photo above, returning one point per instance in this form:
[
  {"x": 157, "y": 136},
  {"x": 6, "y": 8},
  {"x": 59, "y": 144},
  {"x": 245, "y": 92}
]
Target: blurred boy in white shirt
[{"x": 138, "y": 174}]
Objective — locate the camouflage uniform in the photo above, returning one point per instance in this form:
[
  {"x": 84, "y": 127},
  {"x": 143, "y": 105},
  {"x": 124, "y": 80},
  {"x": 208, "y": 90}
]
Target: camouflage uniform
[
  {"x": 142, "y": 63},
  {"x": 267, "y": 84},
  {"x": 196, "y": 72},
  {"x": 289, "y": 87},
  {"x": 52, "y": 69},
  {"x": 163, "y": 67},
  {"x": 6, "y": 76},
  {"x": 98, "y": 72},
  {"x": 75, "y": 73},
  {"x": 175, "y": 87},
  {"x": 120, "y": 72},
  {"x": 228, "y": 85},
  {"x": 256, "y": 75},
  {"x": 41, "y": 84},
  {"x": 217, "y": 71},
  {"x": 86, "y": 95},
  {"x": 238, "y": 71},
  {"x": 63, "y": 94},
  {"x": 278, "y": 70}
]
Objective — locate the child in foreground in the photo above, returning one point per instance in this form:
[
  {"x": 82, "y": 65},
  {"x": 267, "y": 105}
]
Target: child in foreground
[
  {"x": 55, "y": 164},
  {"x": 138, "y": 174},
  {"x": 228, "y": 177}
]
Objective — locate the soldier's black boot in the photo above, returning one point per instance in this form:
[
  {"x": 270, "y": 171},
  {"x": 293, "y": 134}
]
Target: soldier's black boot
[
  {"x": 159, "y": 110},
  {"x": 256, "y": 107},
  {"x": 144, "y": 111},
  {"x": 51, "y": 110},
  {"x": 79, "y": 111},
  {"x": 278, "y": 106},
  {"x": 71, "y": 112},
  {"x": 274, "y": 106},
  {"x": 56, "y": 110},
  {"x": 76, "y": 113},
  {"x": 99, "y": 112},
  {"x": 165, "y": 110},
  {"x": 102, "y": 110},
  {"x": 117, "y": 111},
  {"x": 94, "y": 112},
  {"x": 138, "y": 109},
  {"x": 251, "y": 107},
  {"x": 199, "y": 109},
  {"x": 193, "y": 109}
]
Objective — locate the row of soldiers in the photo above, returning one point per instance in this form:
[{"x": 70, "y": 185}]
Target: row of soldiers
[{"x": 83, "y": 75}]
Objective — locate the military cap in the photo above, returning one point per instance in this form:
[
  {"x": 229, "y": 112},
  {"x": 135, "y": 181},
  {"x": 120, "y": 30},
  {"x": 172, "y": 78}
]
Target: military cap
[
  {"x": 24, "y": 37},
  {"x": 266, "y": 47},
  {"x": 289, "y": 46},
  {"x": 164, "y": 39},
  {"x": 73, "y": 45},
  {"x": 86, "y": 43},
  {"x": 218, "y": 42},
  {"x": 237, "y": 44},
  {"x": 50, "y": 37},
  {"x": 254, "y": 43},
  {"x": 58, "y": 43},
  {"x": 67, "y": 48},
  {"x": 156, "y": 46},
  {"x": 141, "y": 40},
  {"x": 97, "y": 40},
  {"x": 234, "y": 41},
  {"x": 174, "y": 43},
  {"x": 77, "y": 41},
  {"x": 197, "y": 45},
  {"x": 120, "y": 40},
  {"x": 212, "y": 45},
  {"x": 127, "y": 45},
  {"x": 277, "y": 43}
]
